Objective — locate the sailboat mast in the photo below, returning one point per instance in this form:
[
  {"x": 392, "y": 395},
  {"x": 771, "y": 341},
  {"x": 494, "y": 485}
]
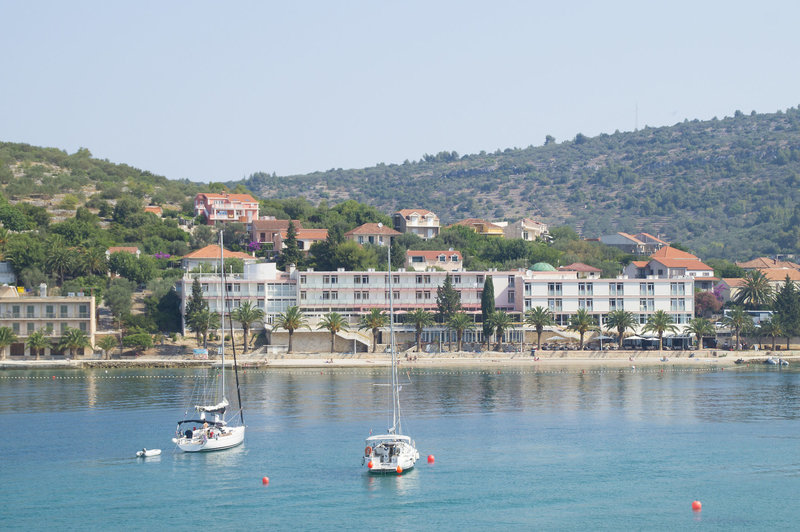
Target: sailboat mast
[
  {"x": 222, "y": 309},
  {"x": 395, "y": 391}
]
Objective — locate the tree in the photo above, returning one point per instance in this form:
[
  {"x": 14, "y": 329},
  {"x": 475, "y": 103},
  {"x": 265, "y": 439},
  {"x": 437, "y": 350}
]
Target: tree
[
  {"x": 106, "y": 344},
  {"x": 487, "y": 307},
  {"x": 755, "y": 292},
  {"x": 582, "y": 322},
  {"x": 291, "y": 254},
  {"x": 460, "y": 322},
  {"x": 420, "y": 319},
  {"x": 37, "y": 342},
  {"x": 139, "y": 341},
  {"x": 334, "y": 323},
  {"x": 73, "y": 339},
  {"x": 786, "y": 308},
  {"x": 93, "y": 261},
  {"x": 738, "y": 320},
  {"x": 706, "y": 304},
  {"x": 246, "y": 314},
  {"x": 203, "y": 321},
  {"x": 701, "y": 327},
  {"x": 621, "y": 321},
  {"x": 770, "y": 328},
  {"x": 291, "y": 320},
  {"x": 660, "y": 322},
  {"x": 373, "y": 321},
  {"x": 58, "y": 260},
  {"x": 448, "y": 299},
  {"x": 500, "y": 322},
  {"x": 539, "y": 318},
  {"x": 7, "y": 337},
  {"x": 118, "y": 299}
]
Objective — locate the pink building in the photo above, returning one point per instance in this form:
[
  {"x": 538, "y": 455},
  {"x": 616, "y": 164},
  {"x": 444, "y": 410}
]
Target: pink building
[
  {"x": 448, "y": 260},
  {"x": 226, "y": 208}
]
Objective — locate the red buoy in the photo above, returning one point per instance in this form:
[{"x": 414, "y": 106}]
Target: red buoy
[
  {"x": 54, "y": 377},
  {"x": 265, "y": 480},
  {"x": 697, "y": 506},
  {"x": 430, "y": 459},
  {"x": 399, "y": 469},
  {"x": 369, "y": 464}
]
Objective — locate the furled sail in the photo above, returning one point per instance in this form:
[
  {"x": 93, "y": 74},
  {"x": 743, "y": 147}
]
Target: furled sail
[{"x": 214, "y": 409}]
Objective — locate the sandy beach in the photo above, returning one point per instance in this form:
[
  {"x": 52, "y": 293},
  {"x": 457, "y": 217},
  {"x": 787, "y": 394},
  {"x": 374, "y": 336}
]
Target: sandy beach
[{"x": 548, "y": 359}]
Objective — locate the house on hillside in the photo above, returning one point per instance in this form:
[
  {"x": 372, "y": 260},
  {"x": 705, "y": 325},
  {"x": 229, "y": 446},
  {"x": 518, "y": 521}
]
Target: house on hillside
[
  {"x": 421, "y": 222},
  {"x": 210, "y": 255},
  {"x": 669, "y": 262},
  {"x": 226, "y": 208},
  {"x": 527, "y": 229},
  {"x": 482, "y": 227},
  {"x": 767, "y": 263},
  {"x": 584, "y": 271},
  {"x": 638, "y": 244},
  {"x": 155, "y": 209},
  {"x": 372, "y": 233},
  {"x": 449, "y": 260}
]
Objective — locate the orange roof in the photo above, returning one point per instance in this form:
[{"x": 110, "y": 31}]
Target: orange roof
[
  {"x": 669, "y": 252},
  {"x": 117, "y": 249},
  {"x": 372, "y": 229},
  {"x": 473, "y": 222},
  {"x": 779, "y": 274},
  {"x": 683, "y": 263},
  {"x": 579, "y": 267},
  {"x": 733, "y": 282},
  {"x": 408, "y": 212},
  {"x": 309, "y": 234},
  {"x": 234, "y": 197},
  {"x": 432, "y": 255},
  {"x": 639, "y": 263},
  {"x": 212, "y": 252},
  {"x": 766, "y": 262},
  {"x": 274, "y": 225},
  {"x": 155, "y": 209}
]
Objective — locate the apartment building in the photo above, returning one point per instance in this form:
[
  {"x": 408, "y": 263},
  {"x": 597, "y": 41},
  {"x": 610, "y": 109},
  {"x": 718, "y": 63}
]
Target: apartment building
[
  {"x": 372, "y": 233},
  {"x": 527, "y": 229},
  {"x": 449, "y": 260},
  {"x": 226, "y": 208},
  {"x": 25, "y": 314},
  {"x": 421, "y": 222}
]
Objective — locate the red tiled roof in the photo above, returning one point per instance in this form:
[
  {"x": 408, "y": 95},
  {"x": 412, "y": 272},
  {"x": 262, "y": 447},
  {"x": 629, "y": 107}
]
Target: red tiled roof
[
  {"x": 432, "y": 255},
  {"x": 779, "y": 274},
  {"x": 669, "y": 252},
  {"x": 372, "y": 229},
  {"x": 212, "y": 252},
  {"x": 683, "y": 263},
  {"x": 155, "y": 209},
  {"x": 639, "y": 263},
  {"x": 308, "y": 234},
  {"x": 579, "y": 267},
  {"x": 733, "y": 281},
  {"x": 407, "y": 212},
  {"x": 234, "y": 197},
  {"x": 274, "y": 225},
  {"x": 766, "y": 262},
  {"x": 132, "y": 250}
]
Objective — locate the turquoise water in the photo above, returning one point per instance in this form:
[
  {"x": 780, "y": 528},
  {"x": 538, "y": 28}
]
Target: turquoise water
[{"x": 605, "y": 449}]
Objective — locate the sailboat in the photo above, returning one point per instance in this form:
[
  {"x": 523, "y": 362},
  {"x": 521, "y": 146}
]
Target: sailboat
[
  {"x": 210, "y": 431},
  {"x": 392, "y": 452}
]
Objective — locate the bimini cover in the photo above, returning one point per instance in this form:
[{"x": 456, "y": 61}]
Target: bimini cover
[{"x": 214, "y": 409}]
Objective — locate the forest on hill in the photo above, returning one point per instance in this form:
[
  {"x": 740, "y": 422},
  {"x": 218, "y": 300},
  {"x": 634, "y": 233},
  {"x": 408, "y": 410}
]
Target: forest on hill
[{"x": 724, "y": 188}]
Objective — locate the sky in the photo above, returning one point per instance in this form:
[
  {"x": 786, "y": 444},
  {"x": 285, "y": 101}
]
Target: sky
[{"x": 215, "y": 91}]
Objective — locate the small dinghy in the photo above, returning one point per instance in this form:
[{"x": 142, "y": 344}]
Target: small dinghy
[
  {"x": 782, "y": 362},
  {"x": 771, "y": 361},
  {"x": 144, "y": 453}
]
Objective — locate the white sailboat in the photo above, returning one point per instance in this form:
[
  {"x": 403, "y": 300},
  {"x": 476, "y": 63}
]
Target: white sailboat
[
  {"x": 392, "y": 452},
  {"x": 210, "y": 431}
]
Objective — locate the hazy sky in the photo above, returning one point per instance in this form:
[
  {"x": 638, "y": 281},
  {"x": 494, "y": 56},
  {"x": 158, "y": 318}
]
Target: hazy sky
[{"x": 214, "y": 91}]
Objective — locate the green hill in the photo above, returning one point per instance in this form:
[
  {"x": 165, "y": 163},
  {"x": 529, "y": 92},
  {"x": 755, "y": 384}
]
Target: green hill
[{"x": 724, "y": 188}]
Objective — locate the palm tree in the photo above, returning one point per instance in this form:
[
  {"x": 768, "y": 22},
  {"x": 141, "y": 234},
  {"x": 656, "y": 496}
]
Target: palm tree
[
  {"x": 500, "y": 322},
  {"x": 460, "y": 322},
  {"x": 660, "y": 322},
  {"x": 202, "y": 321},
  {"x": 755, "y": 292},
  {"x": 582, "y": 322},
  {"x": 738, "y": 320},
  {"x": 539, "y": 318},
  {"x": 333, "y": 322},
  {"x": 107, "y": 343},
  {"x": 420, "y": 318},
  {"x": 770, "y": 328},
  {"x": 93, "y": 261},
  {"x": 291, "y": 320},
  {"x": 246, "y": 314},
  {"x": 73, "y": 339},
  {"x": 37, "y": 342},
  {"x": 7, "y": 337},
  {"x": 620, "y": 320},
  {"x": 373, "y": 321},
  {"x": 701, "y": 327},
  {"x": 59, "y": 259}
]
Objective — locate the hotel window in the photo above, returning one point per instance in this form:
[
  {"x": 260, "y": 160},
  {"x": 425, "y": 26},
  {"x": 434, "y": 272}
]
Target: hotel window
[
  {"x": 334, "y": 279},
  {"x": 395, "y": 294},
  {"x": 585, "y": 289},
  {"x": 31, "y": 328},
  {"x": 205, "y": 287},
  {"x": 647, "y": 304},
  {"x": 616, "y": 304},
  {"x": 456, "y": 279},
  {"x": 528, "y": 289},
  {"x": 553, "y": 289},
  {"x": 15, "y": 311},
  {"x": 364, "y": 295},
  {"x": 326, "y": 295},
  {"x": 642, "y": 319},
  {"x": 302, "y": 279},
  {"x": 326, "y": 279},
  {"x": 427, "y": 294},
  {"x": 334, "y": 294},
  {"x": 554, "y": 305},
  {"x": 64, "y": 328},
  {"x": 260, "y": 288},
  {"x": 528, "y": 304},
  {"x": 29, "y": 311},
  {"x": 365, "y": 279},
  {"x": 511, "y": 295},
  {"x": 479, "y": 279},
  {"x": 427, "y": 279},
  {"x": 396, "y": 279},
  {"x": 357, "y": 279},
  {"x": 82, "y": 326},
  {"x": 83, "y": 311},
  {"x": 50, "y": 328},
  {"x": 302, "y": 295},
  {"x": 677, "y": 289},
  {"x": 510, "y": 279},
  {"x": 480, "y": 294},
  {"x": 357, "y": 295},
  {"x": 64, "y": 311},
  {"x": 646, "y": 289},
  {"x": 419, "y": 279},
  {"x": 50, "y": 311},
  {"x": 419, "y": 295},
  {"x": 677, "y": 304},
  {"x": 585, "y": 304},
  {"x": 15, "y": 327},
  {"x": 616, "y": 289}
]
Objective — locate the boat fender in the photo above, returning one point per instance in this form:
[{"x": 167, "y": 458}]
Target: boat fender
[{"x": 368, "y": 451}]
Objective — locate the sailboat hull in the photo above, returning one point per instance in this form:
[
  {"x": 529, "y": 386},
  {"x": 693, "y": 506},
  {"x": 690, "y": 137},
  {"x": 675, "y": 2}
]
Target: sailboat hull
[
  {"x": 200, "y": 443},
  {"x": 387, "y": 453}
]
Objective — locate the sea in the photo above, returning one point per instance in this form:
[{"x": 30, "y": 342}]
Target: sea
[{"x": 512, "y": 449}]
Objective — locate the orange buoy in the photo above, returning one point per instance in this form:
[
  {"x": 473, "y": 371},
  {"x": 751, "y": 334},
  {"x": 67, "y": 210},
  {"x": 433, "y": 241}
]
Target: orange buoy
[
  {"x": 399, "y": 469},
  {"x": 370, "y": 464},
  {"x": 430, "y": 458},
  {"x": 697, "y": 506},
  {"x": 367, "y": 450},
  {"x": 265, "y": 480}
]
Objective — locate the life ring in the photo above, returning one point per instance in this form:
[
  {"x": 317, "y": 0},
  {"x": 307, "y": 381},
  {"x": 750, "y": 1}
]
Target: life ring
[{"x": 368, "y": 451}]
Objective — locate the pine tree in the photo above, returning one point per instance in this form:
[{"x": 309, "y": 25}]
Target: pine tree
[
  {"x": 448, "y": 300},
  {"x": 786, "y": 307},
  {"x": 196, "y": 303},
  {"x": 291, "y": 254},
  {"x": 487, "y": 308}
]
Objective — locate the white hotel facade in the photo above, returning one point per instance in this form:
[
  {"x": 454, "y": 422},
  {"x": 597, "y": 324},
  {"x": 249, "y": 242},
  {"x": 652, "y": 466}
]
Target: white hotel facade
[{"x": 353, "y": 294}]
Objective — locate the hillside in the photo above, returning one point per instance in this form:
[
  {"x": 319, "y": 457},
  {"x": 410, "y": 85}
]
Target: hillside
[{"x": 724, "y": 188}]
